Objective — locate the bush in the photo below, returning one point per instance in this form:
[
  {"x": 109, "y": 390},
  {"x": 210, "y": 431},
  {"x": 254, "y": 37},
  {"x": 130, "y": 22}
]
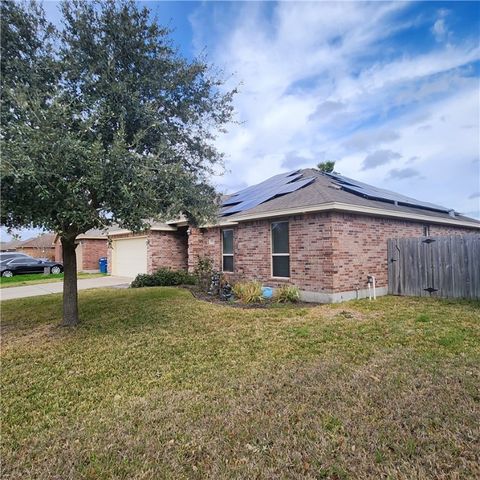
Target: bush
[
  {"x": 203, "y": 272},
  {"x": 248, "y": 292},
  {"x": 163, "y": 278},
  {"x": 287, "y": 294}
]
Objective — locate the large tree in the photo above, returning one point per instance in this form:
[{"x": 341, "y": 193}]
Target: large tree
[{"x": 103, "y": 123}]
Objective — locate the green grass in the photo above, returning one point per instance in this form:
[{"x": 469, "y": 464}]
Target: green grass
[
  {"x": 155, "y": 384},
  {"x": 35, "y": 278}
]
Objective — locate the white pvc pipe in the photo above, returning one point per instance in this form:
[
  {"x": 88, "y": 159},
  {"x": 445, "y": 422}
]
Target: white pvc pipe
[{"x": 371, "y": 283}]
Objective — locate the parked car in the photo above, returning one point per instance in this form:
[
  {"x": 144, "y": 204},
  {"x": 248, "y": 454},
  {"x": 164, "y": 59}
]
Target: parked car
[
  {"x": 24, "y": 264},
  {"x": 9, "y": 255}
]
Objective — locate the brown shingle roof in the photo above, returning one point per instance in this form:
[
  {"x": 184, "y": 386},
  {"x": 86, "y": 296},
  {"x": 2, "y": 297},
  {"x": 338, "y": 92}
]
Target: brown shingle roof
[
  {"x": 42, "y": 241},
  {"x": 11, "y": 245},
  {"x": 324, "y": 190},
  {"x": 94, "y": 233}
]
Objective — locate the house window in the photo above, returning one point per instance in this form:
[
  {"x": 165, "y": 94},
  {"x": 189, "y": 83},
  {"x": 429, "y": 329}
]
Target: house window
[
  {"x": 227, "y": 250},
  {"x": 280, "y": 250},
  {"x": 426, "y": 230}
]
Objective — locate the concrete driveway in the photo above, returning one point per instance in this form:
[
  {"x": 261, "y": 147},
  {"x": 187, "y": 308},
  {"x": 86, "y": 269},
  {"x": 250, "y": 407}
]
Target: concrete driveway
[{"x": 57, "y": 287}]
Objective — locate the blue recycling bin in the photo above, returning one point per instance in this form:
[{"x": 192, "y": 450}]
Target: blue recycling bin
[{"x": 102, "y": 264}]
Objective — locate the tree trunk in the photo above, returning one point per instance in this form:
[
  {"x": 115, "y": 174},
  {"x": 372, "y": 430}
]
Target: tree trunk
[{"x": 70, "y": 296}]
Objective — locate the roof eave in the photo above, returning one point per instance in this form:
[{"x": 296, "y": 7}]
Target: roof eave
[
  {"x": 92, "y": 237},
  {"x": 226, "y": 223},
  {"x": 163, "y": 228},
  {"x": 343, "y": 207}
]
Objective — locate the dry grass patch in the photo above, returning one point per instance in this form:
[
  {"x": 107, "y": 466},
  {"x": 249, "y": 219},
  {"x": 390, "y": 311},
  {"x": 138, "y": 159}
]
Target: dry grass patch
[{"x": 155, "y": 384}]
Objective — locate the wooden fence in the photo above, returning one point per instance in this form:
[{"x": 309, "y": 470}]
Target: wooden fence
[{"x": 435, "y": 266}]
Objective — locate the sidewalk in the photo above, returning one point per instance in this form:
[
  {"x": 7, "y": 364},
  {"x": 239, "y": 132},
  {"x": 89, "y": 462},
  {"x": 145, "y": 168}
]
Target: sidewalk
[{"x": 57, "y": 287}]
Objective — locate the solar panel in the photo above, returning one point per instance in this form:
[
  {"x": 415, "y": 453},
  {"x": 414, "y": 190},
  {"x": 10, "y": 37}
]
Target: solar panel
[
  {"x": 376, "y": 193},
  {"x": 257, "y": 194},
  {"x": 269, "y": 184}
]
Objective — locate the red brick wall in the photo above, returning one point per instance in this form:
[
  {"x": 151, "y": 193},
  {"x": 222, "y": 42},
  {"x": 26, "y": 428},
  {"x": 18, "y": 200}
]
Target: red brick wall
[
  {"x": 310, "y": 251},
  {"x": 360, "y": 246},
  {"x": 38, "y": 252},
  {"x": 92, "y": 250},
  {"x": 204, "y": 242},
  {"x": 167, "y": 250},
  {"x": 329, "y": 252},
  {"x": 58, "y": 251},
  {"x": 442, "y": 230}
]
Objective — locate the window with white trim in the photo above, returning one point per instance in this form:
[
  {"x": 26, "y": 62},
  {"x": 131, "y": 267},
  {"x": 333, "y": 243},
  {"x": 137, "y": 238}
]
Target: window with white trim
[
  {"x": 426, "y": 230},
  {"x": 227, "y": 250},
  {"x": 280, "y": 250}
]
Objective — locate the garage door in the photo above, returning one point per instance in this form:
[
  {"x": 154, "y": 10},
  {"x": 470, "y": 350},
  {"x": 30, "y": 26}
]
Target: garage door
[{"x": 129, "y": 257}]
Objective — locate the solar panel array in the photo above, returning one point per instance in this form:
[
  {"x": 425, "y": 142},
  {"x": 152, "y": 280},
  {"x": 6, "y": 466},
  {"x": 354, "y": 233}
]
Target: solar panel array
[
  {"x": 375, "y": 193},
  {"x": 256, "y": 194}
]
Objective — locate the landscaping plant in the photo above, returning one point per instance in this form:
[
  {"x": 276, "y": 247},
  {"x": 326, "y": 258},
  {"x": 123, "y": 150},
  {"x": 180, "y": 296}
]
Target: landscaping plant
[
  {"x": 163, "y": 278},
  {"x": 248, "y": 292},
  {"x": 287, "y": 294},
  {"x": 204, "y": 272}
]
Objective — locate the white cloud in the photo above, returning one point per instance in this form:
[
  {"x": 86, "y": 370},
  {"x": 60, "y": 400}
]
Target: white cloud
[
  {"x": 317, "y": 84},
  {"x": 439, "y": 28}
]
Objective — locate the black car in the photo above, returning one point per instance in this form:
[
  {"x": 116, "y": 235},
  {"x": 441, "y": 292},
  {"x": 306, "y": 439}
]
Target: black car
[
  {"x": 25, "y": 264},
  {"x": 9, "y": 255}
]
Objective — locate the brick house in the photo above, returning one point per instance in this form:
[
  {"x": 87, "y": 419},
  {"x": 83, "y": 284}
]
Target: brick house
[
  {"x": 39, "y": 247},
  {"x": 91, "y": 246},
  {"x": 323, "y": 233}
]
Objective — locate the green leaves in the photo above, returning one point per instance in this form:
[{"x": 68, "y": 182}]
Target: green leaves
[
  {"x": 105, "y": 121},
  {"x": 327, "y": 167}
]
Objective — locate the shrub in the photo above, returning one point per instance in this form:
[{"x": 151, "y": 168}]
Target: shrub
[
  {"x": 203, "y": 272},
  {"x": 287, "y": 294},
  {"x": 163, "y": 278},
  {"x": 248, "y": 292}
]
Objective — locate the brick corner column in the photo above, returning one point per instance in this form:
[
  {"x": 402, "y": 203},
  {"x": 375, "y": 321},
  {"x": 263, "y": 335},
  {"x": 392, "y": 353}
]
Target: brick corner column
[{"x": 194, "y": 247}]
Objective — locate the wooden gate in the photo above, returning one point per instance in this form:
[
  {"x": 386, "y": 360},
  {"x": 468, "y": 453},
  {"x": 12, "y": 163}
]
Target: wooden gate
[{"x": 435, "y": 266}]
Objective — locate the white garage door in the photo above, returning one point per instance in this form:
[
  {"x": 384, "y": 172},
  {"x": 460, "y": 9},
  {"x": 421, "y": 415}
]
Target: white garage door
[{"x": 129, "y": 257}]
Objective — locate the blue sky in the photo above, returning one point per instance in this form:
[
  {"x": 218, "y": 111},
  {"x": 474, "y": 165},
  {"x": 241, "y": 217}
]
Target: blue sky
[{"x": 390, "y": 91}]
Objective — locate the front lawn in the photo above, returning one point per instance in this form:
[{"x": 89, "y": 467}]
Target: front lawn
[
  {"x": 35, "y": 278},
  {"x": 155, "y": 384}
]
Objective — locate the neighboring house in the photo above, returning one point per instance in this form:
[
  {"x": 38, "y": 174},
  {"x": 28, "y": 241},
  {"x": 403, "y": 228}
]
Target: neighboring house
[
  {"x": 91, "y": 246},
  {"x": 161, "y": 246},
  {"x": 10, "y": 246},
  {"x": 321, "y": 232},
  {"x": 39, "y": 247}
]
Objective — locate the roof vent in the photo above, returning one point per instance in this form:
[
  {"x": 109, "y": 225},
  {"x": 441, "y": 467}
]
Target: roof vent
[{"x": 451, "y": 213}]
